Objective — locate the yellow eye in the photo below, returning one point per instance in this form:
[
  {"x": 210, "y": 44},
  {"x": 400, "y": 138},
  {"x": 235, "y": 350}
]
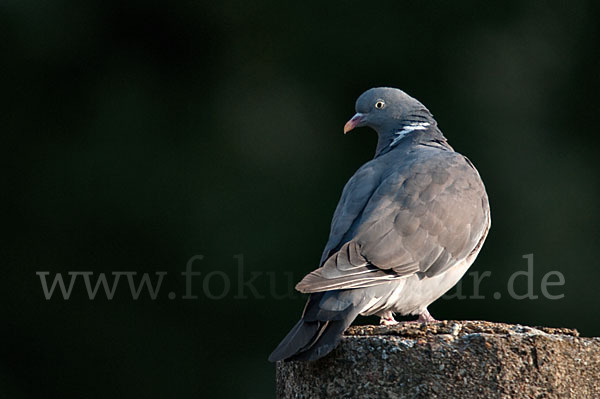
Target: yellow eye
[{"x": 379, "y": 104}]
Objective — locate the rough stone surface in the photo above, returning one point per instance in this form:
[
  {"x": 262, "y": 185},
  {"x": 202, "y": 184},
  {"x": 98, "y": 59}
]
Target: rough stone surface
[{"x": 450, "y": 359}]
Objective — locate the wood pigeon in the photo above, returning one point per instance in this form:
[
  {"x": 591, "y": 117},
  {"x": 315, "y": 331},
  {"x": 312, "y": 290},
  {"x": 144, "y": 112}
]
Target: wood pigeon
[{"x": 409, "y": 224}]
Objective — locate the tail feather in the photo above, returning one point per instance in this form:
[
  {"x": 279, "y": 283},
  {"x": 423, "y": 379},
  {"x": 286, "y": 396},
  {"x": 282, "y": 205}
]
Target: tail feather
[
  {"x": 299, "y": 337},
  {"x": 317, "y": 333},
  {"x": 329, "y": 338}
]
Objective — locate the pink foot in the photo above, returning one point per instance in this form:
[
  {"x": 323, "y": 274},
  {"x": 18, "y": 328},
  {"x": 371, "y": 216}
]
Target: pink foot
[
  {"x": 387, "y": 319},
  {"x": 425, "y": 317}
]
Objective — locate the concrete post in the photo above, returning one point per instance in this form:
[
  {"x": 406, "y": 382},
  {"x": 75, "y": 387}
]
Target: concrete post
[{"x": 450, "y": 359}]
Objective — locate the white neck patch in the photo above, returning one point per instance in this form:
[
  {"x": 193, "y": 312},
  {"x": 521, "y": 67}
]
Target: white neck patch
[{"x": 407, "y": 129}]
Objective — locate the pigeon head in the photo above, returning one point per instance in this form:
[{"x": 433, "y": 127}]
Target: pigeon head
[{"x": 386, "y": 109}]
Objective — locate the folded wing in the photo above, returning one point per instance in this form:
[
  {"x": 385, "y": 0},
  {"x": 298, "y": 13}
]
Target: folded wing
[{"x": 422, "y": 218}]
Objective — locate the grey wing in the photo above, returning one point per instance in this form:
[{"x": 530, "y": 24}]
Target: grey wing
[
  {"x": 354, "y": 199},
  {"x": 421, "y": 219}
]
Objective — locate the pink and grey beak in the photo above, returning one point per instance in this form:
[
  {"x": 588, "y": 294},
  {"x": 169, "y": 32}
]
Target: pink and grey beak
[{"x": 356, "y": 121}]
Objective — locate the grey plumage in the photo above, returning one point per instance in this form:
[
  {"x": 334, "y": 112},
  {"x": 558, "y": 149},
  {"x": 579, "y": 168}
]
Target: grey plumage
[{"x": 409, "y": 224}]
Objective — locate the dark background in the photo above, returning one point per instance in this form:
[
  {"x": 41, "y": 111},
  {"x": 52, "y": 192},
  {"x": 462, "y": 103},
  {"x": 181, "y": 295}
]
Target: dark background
[{"x": 138, "y": 134}]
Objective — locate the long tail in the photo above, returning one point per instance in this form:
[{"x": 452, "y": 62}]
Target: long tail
[{"x": 326, "y": 316}]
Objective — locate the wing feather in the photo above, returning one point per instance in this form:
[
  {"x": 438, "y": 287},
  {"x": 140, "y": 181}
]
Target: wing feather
[{"x": 393, "y": 221}]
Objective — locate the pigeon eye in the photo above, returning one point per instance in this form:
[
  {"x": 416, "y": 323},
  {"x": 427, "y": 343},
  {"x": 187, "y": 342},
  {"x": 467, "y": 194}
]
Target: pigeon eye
[{"x": 379, "y": 104}]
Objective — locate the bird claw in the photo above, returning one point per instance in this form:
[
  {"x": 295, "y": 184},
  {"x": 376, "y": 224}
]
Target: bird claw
[
  {"x": 387, "y": 319},
  {"x": 388, "y": 322},
  {"x": 425, "y": 317}
]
